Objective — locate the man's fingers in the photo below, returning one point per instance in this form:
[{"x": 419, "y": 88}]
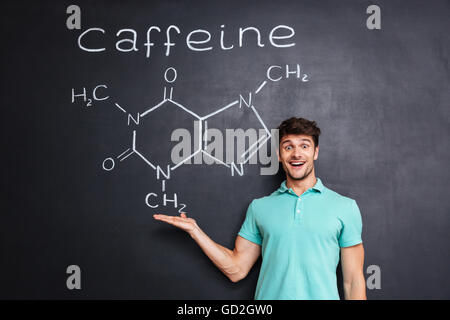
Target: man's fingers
[
  {"x": 174, "y": 220},
  {"x": 164, "y": 218},
  {"x": 182, "y": 221},
  {"x": 160, "y": 216}
]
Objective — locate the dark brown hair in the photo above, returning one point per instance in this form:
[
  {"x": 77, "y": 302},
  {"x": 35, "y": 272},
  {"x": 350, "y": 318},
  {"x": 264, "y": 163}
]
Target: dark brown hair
[{"x": 299, "y": 126}]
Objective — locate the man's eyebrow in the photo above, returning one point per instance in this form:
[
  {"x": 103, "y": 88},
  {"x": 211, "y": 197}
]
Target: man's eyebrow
[{"x": 304, "y": 139}]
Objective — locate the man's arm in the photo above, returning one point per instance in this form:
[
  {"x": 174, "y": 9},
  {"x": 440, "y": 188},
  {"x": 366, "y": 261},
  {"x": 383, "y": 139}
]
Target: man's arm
[
  {"x": 235, "y": 264},
  {"x": 352, "y": 262}
]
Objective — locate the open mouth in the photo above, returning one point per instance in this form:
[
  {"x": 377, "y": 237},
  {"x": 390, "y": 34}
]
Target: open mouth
[{"x": 297, "y": 164}]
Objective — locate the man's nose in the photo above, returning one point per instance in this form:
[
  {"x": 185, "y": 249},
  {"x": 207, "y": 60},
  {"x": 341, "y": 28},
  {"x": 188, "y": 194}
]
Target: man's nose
[{"x": 297, "y": 152}]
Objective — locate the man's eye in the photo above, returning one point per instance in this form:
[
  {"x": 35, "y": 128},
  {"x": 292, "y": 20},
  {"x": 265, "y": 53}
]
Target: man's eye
[
  {"x": 288, "y": 148},
  {"x": 305, "y": 146}
]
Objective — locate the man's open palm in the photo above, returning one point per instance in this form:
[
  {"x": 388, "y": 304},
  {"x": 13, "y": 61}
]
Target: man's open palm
[{"x": 182, "y": 222}]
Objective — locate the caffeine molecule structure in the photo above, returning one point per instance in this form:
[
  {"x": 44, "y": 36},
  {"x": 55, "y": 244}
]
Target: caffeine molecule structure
[{"x": 274, "y": 73}]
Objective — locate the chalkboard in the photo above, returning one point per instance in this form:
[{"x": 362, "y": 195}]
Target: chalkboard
[{"x": 93, "y": 91}]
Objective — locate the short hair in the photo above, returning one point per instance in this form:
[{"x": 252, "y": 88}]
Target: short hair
[{"x": 299, "y": 126}]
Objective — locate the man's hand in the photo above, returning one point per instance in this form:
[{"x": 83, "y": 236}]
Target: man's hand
[
  {"x": 183, "y": 222},
  {"x": 235, "y": 264}
]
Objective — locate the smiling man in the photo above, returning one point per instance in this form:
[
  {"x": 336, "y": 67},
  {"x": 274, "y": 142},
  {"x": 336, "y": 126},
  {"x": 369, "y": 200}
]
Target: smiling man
[{"x": 302, "y": 230}]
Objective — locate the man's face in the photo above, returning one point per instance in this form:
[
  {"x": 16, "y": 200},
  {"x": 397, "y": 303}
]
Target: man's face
[{"x": 297, "y": 154}]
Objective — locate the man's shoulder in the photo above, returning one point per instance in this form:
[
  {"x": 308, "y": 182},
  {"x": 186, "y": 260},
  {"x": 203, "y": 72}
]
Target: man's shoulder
[
  {"x": 337, "y": 198},
  {"x": 263, "y": 201}
]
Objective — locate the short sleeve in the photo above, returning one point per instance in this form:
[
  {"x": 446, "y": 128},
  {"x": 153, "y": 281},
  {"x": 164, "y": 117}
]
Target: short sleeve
[
  {"x": 351, "y": 227},
  {"x": 249, "y": 229}
]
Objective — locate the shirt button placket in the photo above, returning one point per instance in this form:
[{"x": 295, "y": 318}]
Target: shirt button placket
[{"x": 298, "y": 210}]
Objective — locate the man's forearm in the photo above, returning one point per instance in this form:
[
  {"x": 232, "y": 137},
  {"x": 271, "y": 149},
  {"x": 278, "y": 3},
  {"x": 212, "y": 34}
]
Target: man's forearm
[
  {"x": 356, "y": 289},
  {"x": 222, "y": 257}
]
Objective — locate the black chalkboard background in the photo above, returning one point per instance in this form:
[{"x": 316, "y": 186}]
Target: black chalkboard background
[{"x": 381, "y": 98}]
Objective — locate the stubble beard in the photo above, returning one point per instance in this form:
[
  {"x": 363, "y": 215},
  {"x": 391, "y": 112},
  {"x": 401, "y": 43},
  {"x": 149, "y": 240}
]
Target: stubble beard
[{"x": 307, "y": 173}]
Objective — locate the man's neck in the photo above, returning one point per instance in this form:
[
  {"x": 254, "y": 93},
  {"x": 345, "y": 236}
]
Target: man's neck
[{"x": 300, "y": 186}]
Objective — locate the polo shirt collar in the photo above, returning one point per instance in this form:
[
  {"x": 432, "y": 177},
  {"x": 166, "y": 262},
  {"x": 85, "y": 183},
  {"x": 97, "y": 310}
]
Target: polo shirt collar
[{"x": 318, "y": 186}]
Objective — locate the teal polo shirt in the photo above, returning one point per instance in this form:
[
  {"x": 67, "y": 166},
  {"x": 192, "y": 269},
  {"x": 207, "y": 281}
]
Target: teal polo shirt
[{"x": 300, "y": 239}]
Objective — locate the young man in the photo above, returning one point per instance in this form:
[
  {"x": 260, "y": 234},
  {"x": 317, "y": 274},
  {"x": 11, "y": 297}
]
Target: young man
[{"x": 302, "y": 229}]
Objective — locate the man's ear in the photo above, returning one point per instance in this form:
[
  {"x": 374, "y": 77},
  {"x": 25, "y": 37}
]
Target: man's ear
[
  {"x": 316, "y": 153},
  {"x": 278, "y": 154}
]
